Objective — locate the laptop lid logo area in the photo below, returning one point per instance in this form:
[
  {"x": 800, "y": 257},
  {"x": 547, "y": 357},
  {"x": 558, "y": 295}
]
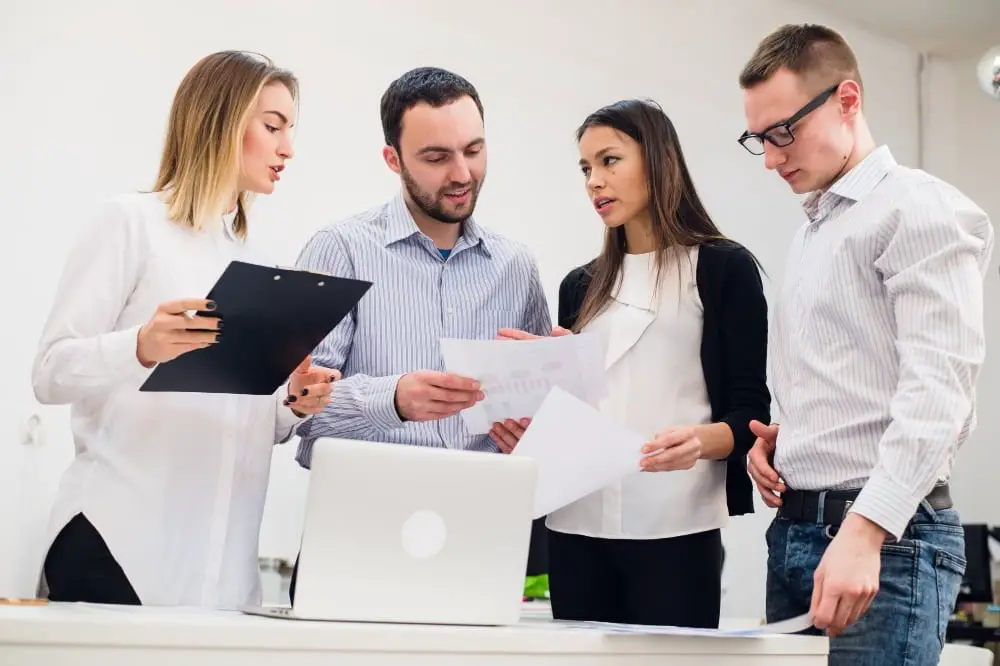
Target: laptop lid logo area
[{"x": 424, "y": 534}]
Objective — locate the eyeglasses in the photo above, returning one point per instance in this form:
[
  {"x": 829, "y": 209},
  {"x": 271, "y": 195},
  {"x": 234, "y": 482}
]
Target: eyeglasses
[{"x": 780, "y": 134}]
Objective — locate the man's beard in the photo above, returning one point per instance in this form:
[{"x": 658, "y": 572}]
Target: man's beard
[{"x": 432, "y": 205}]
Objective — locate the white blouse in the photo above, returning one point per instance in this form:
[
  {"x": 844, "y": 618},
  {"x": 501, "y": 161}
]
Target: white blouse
[
  {"x": 175, "y": 483},
  {"x": 655, "y": 380}
]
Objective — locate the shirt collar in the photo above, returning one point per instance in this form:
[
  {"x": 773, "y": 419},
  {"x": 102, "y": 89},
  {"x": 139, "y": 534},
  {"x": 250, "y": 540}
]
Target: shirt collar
[
  {"x": 854, "y": 185},
  {"x": 400, "y": 225}
]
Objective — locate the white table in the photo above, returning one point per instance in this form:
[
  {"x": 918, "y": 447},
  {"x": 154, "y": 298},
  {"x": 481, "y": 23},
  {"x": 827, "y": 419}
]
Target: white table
[{"x": 85, "y": 635}]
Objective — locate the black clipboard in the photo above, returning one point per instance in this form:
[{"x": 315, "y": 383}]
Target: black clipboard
[{"x": 272, "y": 319}]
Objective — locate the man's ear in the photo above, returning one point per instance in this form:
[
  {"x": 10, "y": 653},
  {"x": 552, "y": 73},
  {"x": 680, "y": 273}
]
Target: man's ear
[
  {"x": 850, "y": 98},
  {"x": 391, "y": 157}
]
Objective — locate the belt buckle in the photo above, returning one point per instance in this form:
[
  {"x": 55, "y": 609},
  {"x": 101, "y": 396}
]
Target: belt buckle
[{"x": 847, "y": 508}]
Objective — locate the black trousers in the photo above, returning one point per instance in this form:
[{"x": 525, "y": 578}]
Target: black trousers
[
  {"x": 79, "y": 567},
  {"x": 676, "y": 581}
]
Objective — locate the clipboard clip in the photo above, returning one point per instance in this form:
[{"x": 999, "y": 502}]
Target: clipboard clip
[{"x": 303, "y": 270}]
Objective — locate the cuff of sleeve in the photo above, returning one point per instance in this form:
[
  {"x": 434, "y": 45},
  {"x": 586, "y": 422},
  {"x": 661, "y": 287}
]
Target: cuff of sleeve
[
  {"x": 887, "y": 503},
  {"x": 118, "y": 349},
  {"x": 380, "y": 403}
]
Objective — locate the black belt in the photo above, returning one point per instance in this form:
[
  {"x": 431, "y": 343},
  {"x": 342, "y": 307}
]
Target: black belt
[{"x": 805, "y": 505}]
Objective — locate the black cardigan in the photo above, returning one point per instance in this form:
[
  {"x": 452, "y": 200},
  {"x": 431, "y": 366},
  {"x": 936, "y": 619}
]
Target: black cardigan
[{"x": 733, "y": 349}]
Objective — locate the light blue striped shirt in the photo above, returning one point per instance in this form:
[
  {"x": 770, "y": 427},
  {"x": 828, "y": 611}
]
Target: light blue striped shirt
[{"x": 487, "y": 282}]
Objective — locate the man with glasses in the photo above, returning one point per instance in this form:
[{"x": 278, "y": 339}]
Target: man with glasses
[{"x": 877, "y": 343}]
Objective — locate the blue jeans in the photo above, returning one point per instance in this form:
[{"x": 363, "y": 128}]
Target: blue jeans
[{"x": 918, "y": 587}]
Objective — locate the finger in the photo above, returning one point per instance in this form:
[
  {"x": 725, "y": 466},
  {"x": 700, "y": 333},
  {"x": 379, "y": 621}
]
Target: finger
[
  {"x": 182, "y": 305},
  {"x": 516, "y": 334},
  {"x": 441, "y": 410},
  {"x": 559, "y": 331},
  {"x": 317, "y": 390},
  {"x": 824, "y": 605},
  {"x": 434, "y": 394},
  {"x": 763, "y": 465},
  {"x": 847, "y": 608},
  {"x": 667, "y": 439},
  {"x": 451, "y": 381},
  {"x": 193, "y": 323},
  {"x": 514, "y": 428},
  {"x": 303, "y": 367},
  {"x": 182, "y": 337},
  {"x": 505, "y": 438},
  {"x": 766, "y": 432}
]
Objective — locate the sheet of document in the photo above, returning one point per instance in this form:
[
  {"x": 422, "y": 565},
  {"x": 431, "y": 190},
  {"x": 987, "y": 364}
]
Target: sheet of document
[
  {"x": 577, "y": 451},
  {"x": 516, "y": 375},
  {"x": 790, "y": 626}
]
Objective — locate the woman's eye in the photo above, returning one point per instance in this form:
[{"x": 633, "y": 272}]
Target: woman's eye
[{"x": 271, "y": 128}]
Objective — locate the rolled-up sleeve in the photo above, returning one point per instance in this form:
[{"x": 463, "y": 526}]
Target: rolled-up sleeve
[{"x": 933, "y": 267}]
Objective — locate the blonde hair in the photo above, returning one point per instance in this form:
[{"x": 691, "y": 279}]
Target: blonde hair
[{"x": 201, "y": 160}]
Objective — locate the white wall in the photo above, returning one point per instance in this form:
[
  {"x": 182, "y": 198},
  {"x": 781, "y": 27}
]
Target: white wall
[
  {"x": 92, "y": 85},
  {"x": 962, "y": 145}
]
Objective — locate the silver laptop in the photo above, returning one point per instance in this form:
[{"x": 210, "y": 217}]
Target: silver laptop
[{"x": 399, "y": 533}]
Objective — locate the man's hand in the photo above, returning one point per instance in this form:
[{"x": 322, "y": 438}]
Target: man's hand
[
  {"x": 515, "y": 334},
  {"x": 672, "y": 449},
  {"x": 760, "y": 463},
  {"x": 506, "y": 434},
  {"x": 310, "y": 388},
  {"x": 427, "y": 395},
  {"x": 846, "y": 580}
]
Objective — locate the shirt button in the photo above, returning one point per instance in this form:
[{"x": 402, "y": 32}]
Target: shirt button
[{"x": 449, "y": 309}]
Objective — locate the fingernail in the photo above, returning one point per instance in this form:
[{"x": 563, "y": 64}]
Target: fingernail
[
  {"x": 218, "y": 324},
  {"x": 305, "y": 392},
  {"x": 331, "y": 379},
  {"x": 285, "y": 402},
  {"x": 210, "y": 305},
  {"x": 291, "y": 398},
  {"x": 218, "y": 336}
]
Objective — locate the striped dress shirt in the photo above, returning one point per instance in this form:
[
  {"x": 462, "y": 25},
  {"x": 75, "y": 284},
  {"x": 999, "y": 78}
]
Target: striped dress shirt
[
  {"x": 486, "y": 283},
  {"x": 878, "y": 338}
]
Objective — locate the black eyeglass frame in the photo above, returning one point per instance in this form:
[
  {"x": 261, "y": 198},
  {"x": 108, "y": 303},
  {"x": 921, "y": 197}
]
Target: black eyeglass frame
[{"x": 765, "y": 135}]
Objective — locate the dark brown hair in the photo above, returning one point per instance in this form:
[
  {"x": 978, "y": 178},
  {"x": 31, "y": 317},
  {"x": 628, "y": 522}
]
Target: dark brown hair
[
  {"x": 820, "y": 56},
  {"x": 679, "y": 220}
]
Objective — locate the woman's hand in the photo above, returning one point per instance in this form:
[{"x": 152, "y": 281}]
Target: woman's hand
[
  {"x": 310, "y": 388},
  {"x": 672, "y": 449},
  {"x": 515, "y": 334},
  {"x": 506, "y": 434},
  {"x": 172, "y": 331}
]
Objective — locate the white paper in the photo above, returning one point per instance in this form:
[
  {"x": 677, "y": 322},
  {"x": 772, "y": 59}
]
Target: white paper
[
  {"x": 577, "y": 451},
  {"x": 790, "y": 626},
  {"x": 516, "y": 375}
]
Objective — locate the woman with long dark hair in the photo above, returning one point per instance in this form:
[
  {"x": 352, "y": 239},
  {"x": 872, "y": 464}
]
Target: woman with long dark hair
[{"x": 684, "y": 315}]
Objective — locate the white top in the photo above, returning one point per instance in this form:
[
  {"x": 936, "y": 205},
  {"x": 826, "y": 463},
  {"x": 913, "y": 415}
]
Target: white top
[
  {"x": 655, "y": 380},
  {"x": 175, "y": 483},
  {"x": 878, "y": 340}
]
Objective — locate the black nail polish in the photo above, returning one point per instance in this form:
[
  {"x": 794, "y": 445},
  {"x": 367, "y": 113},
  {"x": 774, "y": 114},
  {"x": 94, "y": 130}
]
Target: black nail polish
[
  {"x": 305, "y": 392},
  {"x": 218, "y": 324},
  {"x": 210, "y": 306},
  {"x": 285, "y": 402},
  {"x": 292, "y": 398}
]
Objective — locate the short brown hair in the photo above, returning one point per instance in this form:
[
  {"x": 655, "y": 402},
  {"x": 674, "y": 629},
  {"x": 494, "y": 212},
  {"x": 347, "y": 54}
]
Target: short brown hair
[{"x": 817, "y": 54}]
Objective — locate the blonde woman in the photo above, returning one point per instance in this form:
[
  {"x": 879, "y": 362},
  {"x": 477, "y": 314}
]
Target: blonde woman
[{"x": 162, "y": 503}]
